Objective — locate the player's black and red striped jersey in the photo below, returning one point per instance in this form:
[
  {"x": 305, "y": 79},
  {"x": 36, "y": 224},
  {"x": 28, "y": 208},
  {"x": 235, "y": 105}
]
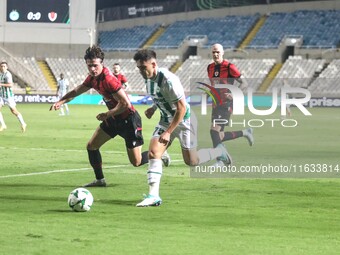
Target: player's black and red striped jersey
[
  {"x": 106, "y": 84},
  {"x": 224, "y": 73}
]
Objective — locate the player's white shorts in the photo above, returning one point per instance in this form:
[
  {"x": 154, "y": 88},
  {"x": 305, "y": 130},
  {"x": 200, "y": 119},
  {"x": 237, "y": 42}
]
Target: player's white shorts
[
  {"x": 186, "y": 132},
  {"x": 9, "y": 101}
]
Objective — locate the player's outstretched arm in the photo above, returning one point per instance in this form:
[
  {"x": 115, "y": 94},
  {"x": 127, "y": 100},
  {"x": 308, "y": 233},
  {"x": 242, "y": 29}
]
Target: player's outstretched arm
[{"x": 69, "y": 96}]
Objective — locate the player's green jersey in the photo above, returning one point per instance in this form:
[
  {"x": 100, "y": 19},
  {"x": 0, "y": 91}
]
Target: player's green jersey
[
  {"x": 165, "y": 90},
  {"x": 6, "y": 92}
]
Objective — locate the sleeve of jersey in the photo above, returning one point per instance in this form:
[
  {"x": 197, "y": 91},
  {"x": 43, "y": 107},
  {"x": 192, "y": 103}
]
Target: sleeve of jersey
[
  {"x": 124, "y": 79},
  {"x": 176, "y": 91},
  {"x": 9, "y": 78},
  {"x": 234, "y": 71},
  {"x": 112, "y": 84}
]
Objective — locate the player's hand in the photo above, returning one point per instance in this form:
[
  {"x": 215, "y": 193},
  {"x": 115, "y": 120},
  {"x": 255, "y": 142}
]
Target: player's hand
[
  {"x": 102, "y": 116},
  {"x": 55, "y": 106},
  {"x": 149, "y": 112},
  {"x": 229, "y": 96},
  {"x": 164, "y": 138}
]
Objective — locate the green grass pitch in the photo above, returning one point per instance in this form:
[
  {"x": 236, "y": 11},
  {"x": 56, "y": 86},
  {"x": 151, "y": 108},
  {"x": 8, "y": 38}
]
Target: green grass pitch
[{"x": 241, "y": 216}]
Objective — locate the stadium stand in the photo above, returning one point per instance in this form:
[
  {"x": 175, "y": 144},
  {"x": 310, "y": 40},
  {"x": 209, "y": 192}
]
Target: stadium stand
[
  {"x": 126, "y": 38},
  {"x": 297, "y": 72},
  {"x": 230, "y": 30},
  {"x": 328, "y": 81},
  {"x": 28, "y": 71},
  {"x": 319, "y": 29},
  {"x": 74, "y": 69}
]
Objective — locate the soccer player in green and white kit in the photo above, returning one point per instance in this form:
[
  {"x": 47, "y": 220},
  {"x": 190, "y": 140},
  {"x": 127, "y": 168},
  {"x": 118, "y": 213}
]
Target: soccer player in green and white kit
[
  {"x": 7, "y": 96},
  {"x": 176, "y": 121}
]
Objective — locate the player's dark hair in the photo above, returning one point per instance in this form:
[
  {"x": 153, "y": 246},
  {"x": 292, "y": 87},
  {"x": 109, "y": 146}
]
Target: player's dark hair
[
  {"x": 94, "y": 52},
  {"x": 4, "y": 62},
  {"x": 144, "y": 55},
  {"x": 116, "y": 64}
]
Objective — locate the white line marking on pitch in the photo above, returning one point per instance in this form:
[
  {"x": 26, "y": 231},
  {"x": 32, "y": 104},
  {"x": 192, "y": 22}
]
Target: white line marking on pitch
[
  {"x": 65, "y": 170},
  {"x": 54, "y": 171}
]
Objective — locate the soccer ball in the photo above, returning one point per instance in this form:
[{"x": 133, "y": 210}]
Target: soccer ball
[{"x": 80, "y": 200}]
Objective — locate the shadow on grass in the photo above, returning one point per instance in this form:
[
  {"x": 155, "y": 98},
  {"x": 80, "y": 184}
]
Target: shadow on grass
[
  {"x": 60, "y": 211},
  {"x": 117, "y": 202}
]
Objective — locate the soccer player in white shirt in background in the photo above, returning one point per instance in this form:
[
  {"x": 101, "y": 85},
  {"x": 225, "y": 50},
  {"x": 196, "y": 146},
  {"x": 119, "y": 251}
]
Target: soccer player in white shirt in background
[
  {"x": 62, "y": 89},
  {"x": 176, "y": 121},
  {"x": 7, "y": 96}
]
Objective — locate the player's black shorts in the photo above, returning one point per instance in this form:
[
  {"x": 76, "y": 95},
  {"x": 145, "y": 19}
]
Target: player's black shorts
[
  {"x": 222, "y": 112},
  {"x": 130, "y": 129}
]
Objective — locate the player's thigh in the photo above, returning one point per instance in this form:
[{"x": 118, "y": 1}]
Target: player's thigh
[
  {"x": 13, "y": 109},
  {"x": 135, "y": 155},
  {"x": 11, "y": 102},
  {"x": 186, "y": 133},
  {"x": 98, "y": 138}
]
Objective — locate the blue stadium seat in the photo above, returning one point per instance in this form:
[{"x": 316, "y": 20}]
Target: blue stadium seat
[
  {"x": 126, "y": 38},
  {"x": 229, "y": 31},
  {"x": 319, "y": 29}
]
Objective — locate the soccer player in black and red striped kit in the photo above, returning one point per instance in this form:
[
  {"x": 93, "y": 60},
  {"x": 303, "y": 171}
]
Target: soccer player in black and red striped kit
[
  {"x": 121, "y": 77},
  {"x": 220, "y": 71}
]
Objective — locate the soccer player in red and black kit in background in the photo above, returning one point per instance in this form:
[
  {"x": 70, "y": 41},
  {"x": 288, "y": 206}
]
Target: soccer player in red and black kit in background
[
  {"x": 121, "y": 77},
  {"x": 121, "y": 118},
  {"x": 223, "y": 72}
]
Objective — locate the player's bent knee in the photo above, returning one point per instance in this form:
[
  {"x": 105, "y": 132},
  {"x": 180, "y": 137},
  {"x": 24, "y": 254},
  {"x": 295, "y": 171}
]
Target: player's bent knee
[
  {"x": 90, "y": 146},
  {"x": 153, "y": 155}
]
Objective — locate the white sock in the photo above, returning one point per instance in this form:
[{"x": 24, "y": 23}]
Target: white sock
[
  {"x": 62, "y": 110},
  {"x": 2, "y": 121},
  {"x": 21, "y": 119},
  {"x": 205, "y": 155},
  {"x": 66, "y": 108},
  {"x": 154, "y": 176}
]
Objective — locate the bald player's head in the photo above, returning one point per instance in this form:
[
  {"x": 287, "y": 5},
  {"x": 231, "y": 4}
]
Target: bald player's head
[{"x": 217, "y": 53}]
